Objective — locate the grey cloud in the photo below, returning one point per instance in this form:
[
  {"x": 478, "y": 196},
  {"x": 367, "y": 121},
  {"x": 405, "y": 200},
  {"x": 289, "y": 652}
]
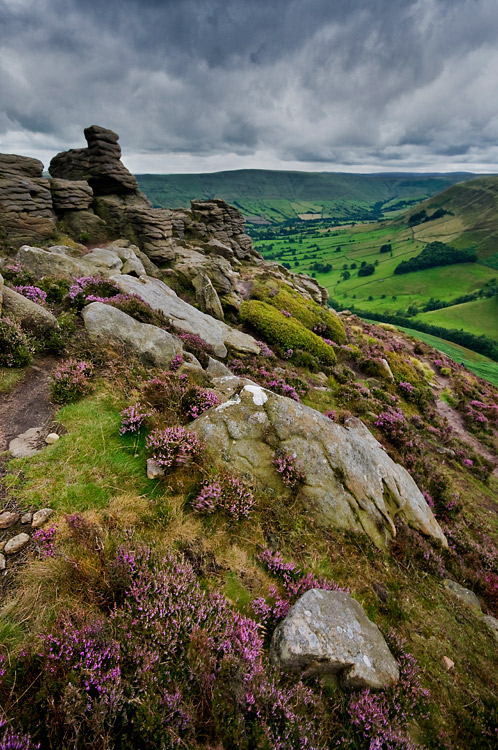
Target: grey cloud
[{"x": 307, "y": 81}]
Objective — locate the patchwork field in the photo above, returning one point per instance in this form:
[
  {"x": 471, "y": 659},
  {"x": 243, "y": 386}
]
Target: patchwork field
[{"x": 479, "y": 316}]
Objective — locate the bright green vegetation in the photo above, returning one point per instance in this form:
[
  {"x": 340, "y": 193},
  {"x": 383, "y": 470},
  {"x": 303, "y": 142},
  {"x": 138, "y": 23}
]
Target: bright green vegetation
[
  {"x": 435, "y": 254},
  {"x": 287, "y": 333},
  {"x": 307, "y": 312},
  {"x": 87, "y": 467},
  {"x": 9, "y": 377},
  {"x": 477, "y": 317},
  {"x": 277, "y": 196},
  {"x": 478, "y": 364}
]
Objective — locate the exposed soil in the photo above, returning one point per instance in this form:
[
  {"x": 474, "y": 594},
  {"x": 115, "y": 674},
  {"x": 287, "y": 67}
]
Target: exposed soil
[{"x": 28, "y": 404}]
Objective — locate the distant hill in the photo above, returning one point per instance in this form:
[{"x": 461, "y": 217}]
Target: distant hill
[
  {"x": 275, "y": 196},
  {"x": 470, "y": 220}
]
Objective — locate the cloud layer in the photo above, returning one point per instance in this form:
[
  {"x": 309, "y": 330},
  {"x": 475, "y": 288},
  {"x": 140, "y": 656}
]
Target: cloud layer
[{"x": 196, "y": 85}]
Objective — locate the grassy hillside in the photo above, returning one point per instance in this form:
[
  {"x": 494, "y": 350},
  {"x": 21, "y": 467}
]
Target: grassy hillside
[
  {"x": 277, "y": 196},
  {"x": 476, "y": 317}
]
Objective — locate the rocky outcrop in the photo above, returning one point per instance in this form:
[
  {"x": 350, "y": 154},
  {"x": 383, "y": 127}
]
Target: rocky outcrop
[
  {"x": 30, "y": 315},
  {"x": 187, "y": 318},
  {"x": 58, "y": 260},
  {"x": 109, "y": 326},
  {"x": 26, "y": 211},
  {"x": 217, "y": 220},
  {"x": 206, "y": 297},
  {"x": 350, "y": 481},
  {"x": 70, "y": 195},
  {"x": 328, "y": 632},
  {"x": 100, "y": 164}
]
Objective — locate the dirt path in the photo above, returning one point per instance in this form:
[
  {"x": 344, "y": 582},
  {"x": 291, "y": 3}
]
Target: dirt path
[{"x": 28, "y": 404}]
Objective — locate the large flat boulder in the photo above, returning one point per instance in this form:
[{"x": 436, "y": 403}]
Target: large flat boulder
[
  {"x": 186, "y": 317},
  {"x": 350, "y": 481},
  {"x": 30, "y": 315},
  {"x": 101, "y": 261},
  {"x": 328, "y": 632},
  {"x": 108, "y": 325}
]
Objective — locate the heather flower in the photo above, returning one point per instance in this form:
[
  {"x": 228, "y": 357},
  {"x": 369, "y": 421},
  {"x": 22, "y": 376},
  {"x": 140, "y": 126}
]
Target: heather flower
[
  {"x": 45, "y": 542},
  {"x": 174, "y": 446},
  {"x": 176, "y": 362},
  {"x": 70, "y": 381},
  {"x": 265, "y": 350},
  {"x": 16, "y": 347},
  {"x": 196, "y": 400},
  {"x": 330, "y": 414},
  {"x": 393, "y": 423},
  {"x": 288, "y": 353},
  {"x": 228, "y": 494},
  {"x": 407, "y": 388},
  {"x": 286, "y": 313},
  {"x": 134, "y": 418},
  {"x": 91, "y": 289},
  {"x": 34, "y": 293},
  {"x": 286, "y": 466},
  {"x": 10, "y": 740}
]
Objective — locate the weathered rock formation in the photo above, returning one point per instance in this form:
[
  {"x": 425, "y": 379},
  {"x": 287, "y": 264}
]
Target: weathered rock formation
[
  {"x": 30, "y": 315},
  {"x": 350, "y": 481},
  {"x": 26, "y": 210},
  {"x": 328, "y": 632}
]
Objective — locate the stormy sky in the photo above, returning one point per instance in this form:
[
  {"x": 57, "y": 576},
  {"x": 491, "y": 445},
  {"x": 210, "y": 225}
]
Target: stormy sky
[{"x": 204, "y": 85}]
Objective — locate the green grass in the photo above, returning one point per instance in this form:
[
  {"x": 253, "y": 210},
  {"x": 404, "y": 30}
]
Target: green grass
[
  {"x": 479, "y": 316},
  {"x": 478, "y": 364},
  {"x": 9, "y": 377},
  {"x": 88, "y": 466}
]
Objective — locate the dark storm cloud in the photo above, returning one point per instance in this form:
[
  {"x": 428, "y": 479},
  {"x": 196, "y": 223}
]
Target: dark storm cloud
[{"x": 289, "y": 82}]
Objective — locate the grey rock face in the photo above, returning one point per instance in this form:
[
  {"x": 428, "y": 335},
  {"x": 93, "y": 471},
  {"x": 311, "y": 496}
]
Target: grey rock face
[
  {"x": 28, "y": 313},
  {"x": 351, "y": 483},
  {"x": 466, "y": 596},
  {"x": 101, "y": 261},
  {"x": 26, "y": 212},
  {"x": 108, "y": 325},
  {"x": 492, "y": 624},
  {"x": 215, "y": 219},
  {"x": 328, "y": 632},
  {"x": 206, "y": 297},
  {"x": 1, "y": 292},
  {"x": 185, "y": 317}
]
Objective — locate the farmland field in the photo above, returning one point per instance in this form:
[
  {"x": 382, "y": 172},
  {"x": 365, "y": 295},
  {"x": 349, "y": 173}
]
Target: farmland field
[{"x": 478, "y": 316}]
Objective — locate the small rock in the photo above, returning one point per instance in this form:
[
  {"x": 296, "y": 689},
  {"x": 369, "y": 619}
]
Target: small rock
[
  {"x": 27, "y": 517},
  {"x": 16, "y": 544},
  {"x": 2, "y": 546},
  {"x": 41, "y": 516},
  {"x": 26, "y": 444},
  {"x": 466, "y": 596},
  {"x": 492, "y": 623},
  {"x": 2, "y": 562},
  {"x": 447, "y": 663},
  {"x": 154, "y": 471},
  {"x": 52, "y": 438},
  {"x": 381, "y": 591},
  {"x": 328, "y": 632},
  {"x": 8, "y": 518}
]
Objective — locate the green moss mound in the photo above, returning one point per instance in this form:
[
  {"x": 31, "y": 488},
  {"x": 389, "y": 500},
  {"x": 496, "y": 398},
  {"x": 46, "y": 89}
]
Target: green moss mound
[
  {"x": 308, "y": 312},
  {"x": 286, "y": 332}
]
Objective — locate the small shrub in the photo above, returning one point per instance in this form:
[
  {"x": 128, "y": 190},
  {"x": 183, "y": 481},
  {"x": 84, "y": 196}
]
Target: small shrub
[
  {"x": 196, "y": 346},
  {"x": 196, "y": 400},
  {"x": 287, "y": 333},
  {"x": 174, "y": 446},
  {"x": 34, "y": 293},
  {"x": 134, "y": 418},
  {"x": 288, "y": 470},
  {"x": 55, "y": 288},
  {"x": 228, "y": 493},
  {"x": 16, "y": 347},
  {"x": 88, "y": 289},
  {"x": 70, "y": 381}
]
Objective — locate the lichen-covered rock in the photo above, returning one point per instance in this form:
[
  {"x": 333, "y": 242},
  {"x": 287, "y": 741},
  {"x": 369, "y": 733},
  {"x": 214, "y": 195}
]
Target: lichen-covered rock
[
  {"x": 27, "y": 443},
  {"x": 350, "y": 481},
  {"x": 108, "y": 325},
  {"x": 216, "y": 219},
  {"x": 41, "y": 516},
  {"x": 328, "y": 632},
  {"x": 8, "y": 518},
  {"x": 26, "y": 212},
  {"x": 206, "y": 297},
  {"x": 58, "y": 261},
  {"x": 30, "y": 315},
  {"x": 187, "y": 318},
  {"x": 466, "y": 596}
]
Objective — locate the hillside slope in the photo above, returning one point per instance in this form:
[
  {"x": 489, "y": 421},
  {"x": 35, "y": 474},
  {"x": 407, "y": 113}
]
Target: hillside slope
[{"x": 279, "y": 195}]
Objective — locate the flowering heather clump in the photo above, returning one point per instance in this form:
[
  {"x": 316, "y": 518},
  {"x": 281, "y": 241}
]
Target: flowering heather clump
[
  {"x": 70, "y": 381},
  {"x": 286, "y": 313},
  {"x": 393, "y": 423},
  {"x": 14, "y": 272},
  {"x": 330, "y": 414},
  {"x": 229, "y": 494},
  {"x": 134, "y": 418},
  {"x": 382, "y": 719},
  {"x": 289, "y": 473},
  {"x": 280, "y": 386},
  {"x": 176, "y": 363},
  {"x": 16, "y": 348},
  {"x": 265, "y": 350},
  {"x": 86, "y": 287},
  {"x": 407, "y": 388},
  {"x": 196, "y": 400},
  {"x": 10, "y": 740},
  {"x": 45, "y": 542},
  {"x": 34, "y": 293},
  {"x": 196, "y": 346},
  {"x": 174, "y": 446},
  {"x": 287, "y": 354}
]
